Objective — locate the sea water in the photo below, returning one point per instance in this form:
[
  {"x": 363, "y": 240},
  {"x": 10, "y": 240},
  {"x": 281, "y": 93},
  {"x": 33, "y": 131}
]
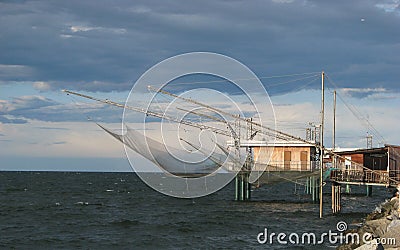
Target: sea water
[{"x": 117, "y": 210}]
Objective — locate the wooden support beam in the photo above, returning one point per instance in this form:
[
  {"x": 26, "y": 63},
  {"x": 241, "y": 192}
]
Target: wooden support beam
[{"x": 336, "y": 198}]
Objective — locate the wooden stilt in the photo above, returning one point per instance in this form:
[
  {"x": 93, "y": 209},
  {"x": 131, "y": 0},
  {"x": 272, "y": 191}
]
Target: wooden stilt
[
  {"x": 336, "y": 199},
  {"x": 306, "y": 187},
  {"x": 314, "y": 190},
  {"x": 348, "y": 190},
  {"x": 369, "y": 190},
  {"x": 242, "y": 187},
  {"x": 237, "y": 187}
]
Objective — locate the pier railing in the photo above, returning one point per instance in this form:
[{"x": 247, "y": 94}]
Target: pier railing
[
  {"x": 288, "y": 166},
  {"x": 361, "y": 176},
  {"x": 394, "y": 177}
]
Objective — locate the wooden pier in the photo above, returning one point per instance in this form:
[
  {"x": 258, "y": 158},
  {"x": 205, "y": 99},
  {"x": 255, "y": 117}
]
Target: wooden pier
[
  {"x": 368, "y": 167},
  {"x": 362, "y": 177},
  {"x": 372, "y": 167}
]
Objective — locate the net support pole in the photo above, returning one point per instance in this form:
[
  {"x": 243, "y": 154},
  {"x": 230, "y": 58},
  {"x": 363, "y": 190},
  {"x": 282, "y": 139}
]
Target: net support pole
[{"x": 322, "y": 146}]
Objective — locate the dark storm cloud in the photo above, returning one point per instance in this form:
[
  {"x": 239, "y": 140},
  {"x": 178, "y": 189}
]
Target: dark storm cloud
[
  {"x": 20, "y": 109},
  {"x": 96, "y": 46}
]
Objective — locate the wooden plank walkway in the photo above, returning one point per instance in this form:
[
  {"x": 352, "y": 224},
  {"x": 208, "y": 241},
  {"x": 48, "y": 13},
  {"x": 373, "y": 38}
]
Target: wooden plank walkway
[{"x": 364, "y": 177}]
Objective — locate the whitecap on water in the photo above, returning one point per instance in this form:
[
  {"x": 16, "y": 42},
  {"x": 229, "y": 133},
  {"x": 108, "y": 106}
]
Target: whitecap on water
[{"x": 82, "y": 203}]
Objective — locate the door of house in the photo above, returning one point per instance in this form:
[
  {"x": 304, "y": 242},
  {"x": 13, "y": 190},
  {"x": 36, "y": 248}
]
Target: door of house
[
  {"x": 303, "y": 160},
  {"x": 394, "y": 169},
  {"x": 287, "y": 156}
]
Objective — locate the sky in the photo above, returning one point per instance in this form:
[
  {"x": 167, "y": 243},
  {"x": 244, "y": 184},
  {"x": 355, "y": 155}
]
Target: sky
[{"x": 102, "y": 48}]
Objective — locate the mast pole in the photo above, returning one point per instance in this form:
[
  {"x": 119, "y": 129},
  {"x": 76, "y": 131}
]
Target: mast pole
[
  {"x": 334, "y": 121},
  {"x": 321, "y": 146}
]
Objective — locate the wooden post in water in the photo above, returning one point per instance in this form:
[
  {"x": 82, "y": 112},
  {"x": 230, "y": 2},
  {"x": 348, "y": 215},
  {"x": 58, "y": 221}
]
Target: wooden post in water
[
  {"x": 315, "y": 187},
  {"x": 348, "y": 189},
  {"x": 242, "y": 186},
  {"x": 339, "y": 194},
  {"x": 312, "y": 182},
  {"x": 242, "y": 196},
  {"x": 336, "y": 197},
  {"x": 306, "y": 187},
  {"x": 248, "y": 187},
  {"x": 237, "y": 187},
  {"x": 333, "y": 197},
  {"x": 369, "y": 190}
]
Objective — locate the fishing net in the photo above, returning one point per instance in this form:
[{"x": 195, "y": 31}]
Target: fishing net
[{"x": 169, "y": 159}]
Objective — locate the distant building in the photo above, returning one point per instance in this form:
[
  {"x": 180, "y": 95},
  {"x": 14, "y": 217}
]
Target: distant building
[{"x": 378, "y": 166}]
